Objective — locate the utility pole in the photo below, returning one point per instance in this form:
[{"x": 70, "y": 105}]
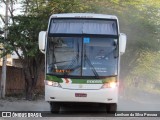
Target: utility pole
[{"x": 4, "y": 66}]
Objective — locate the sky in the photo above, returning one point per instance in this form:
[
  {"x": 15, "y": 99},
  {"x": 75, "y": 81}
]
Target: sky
[{"x": 2, "y": 11}]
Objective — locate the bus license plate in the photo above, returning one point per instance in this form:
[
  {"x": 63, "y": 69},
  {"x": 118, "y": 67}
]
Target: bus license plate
[{"x": 80, "y": 95}]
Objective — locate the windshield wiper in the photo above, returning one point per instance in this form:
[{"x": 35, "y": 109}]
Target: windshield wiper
[
  {"x": 76, "y": 59},
  {"x": 90, "y": 64},
  {"x": 62, "y": 61}
]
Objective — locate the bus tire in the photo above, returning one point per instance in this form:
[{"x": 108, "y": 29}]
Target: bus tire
[
  {"x": 54, "y": 107},
  {"x": 111, "y": 108}
]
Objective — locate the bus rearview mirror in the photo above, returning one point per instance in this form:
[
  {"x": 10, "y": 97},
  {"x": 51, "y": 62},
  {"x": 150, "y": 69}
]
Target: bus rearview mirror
[
  {"x": 122, "y": 43},
  {"x": 42, "y": 40}
]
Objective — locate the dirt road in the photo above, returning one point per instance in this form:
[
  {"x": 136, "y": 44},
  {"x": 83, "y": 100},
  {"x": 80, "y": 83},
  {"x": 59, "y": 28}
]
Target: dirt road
[{"x": 147, "y": 103}]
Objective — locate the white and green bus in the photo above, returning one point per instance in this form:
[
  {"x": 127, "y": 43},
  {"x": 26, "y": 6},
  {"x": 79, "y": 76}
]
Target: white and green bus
[{"x": 82, "y": 54}]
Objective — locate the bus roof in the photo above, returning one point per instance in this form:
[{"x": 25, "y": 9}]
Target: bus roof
[{"x": 83, "y": 15}]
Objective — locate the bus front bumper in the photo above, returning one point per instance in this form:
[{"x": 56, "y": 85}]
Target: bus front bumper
[{"x": 57, "y": 94}]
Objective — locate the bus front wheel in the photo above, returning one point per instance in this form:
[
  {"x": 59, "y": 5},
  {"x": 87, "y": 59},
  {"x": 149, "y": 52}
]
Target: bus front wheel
[
  {"x": 54, "y": 107},
  {"x": 111, "y": 108}
]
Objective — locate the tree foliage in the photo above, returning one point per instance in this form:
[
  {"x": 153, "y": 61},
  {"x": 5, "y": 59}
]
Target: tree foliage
[
  {"x": 143, "y": 44},
  {"x": 23, "y": 36}
]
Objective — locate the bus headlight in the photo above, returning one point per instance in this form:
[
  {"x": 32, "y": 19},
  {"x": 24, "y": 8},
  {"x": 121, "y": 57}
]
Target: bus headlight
[
  {"x": 109, "y": 85},
  {"x": 52, "y": 83}
]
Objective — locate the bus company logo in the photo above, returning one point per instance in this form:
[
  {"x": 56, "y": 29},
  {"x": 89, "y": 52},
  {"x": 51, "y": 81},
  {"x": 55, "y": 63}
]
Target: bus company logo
[
  {"x": 94, "y": 81},
  {"x": 6, "y": 114}
]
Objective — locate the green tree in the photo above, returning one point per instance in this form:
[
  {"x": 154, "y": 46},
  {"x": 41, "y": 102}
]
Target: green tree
[{"x": 23, "y": 36}]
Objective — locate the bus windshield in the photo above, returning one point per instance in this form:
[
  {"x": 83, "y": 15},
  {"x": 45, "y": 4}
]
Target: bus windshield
[{"x": 82, "y": 56}]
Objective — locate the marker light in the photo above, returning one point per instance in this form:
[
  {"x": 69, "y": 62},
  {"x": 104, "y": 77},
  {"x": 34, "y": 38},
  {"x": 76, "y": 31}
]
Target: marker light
[
  {"x": 52, "y": 83},
  {"x": 109, "y": 85}
]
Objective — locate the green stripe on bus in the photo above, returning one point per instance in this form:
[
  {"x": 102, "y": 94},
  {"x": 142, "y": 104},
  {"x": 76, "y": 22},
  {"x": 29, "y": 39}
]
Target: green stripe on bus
[
  {"x": 53, "y": 78},
  {"x": 82, "y": 81},
  {"x": 79, "y": 81}
]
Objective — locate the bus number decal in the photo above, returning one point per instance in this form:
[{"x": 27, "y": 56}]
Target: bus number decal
[{"x": 86, "y": 40}]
